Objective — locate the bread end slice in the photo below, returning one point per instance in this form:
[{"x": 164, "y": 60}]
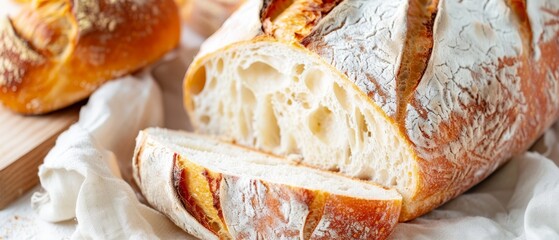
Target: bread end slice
[{"x": 220, "y": 190}]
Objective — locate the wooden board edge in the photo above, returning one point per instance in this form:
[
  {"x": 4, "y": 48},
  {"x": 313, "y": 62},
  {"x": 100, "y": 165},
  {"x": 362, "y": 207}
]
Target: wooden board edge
[{"x": 22, "y": 175}]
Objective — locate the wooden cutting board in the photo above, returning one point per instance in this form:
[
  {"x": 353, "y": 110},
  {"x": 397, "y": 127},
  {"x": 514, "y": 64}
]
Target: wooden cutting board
[{"x": 24, "y": 142}]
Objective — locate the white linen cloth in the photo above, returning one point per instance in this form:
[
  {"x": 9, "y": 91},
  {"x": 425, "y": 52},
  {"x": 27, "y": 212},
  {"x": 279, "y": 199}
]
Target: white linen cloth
[{"x": 81, "y": 176}]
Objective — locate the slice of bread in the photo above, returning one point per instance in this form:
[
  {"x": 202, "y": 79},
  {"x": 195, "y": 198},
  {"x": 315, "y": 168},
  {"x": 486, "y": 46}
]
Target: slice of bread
[{"x": 214, "y": 189}]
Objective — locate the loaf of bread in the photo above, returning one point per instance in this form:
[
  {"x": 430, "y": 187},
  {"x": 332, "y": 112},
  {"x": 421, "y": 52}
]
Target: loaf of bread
[
  {"x": 215, "y": 190},
  {"x": 426, "y": 97},
  {"x": 56, "y": 52},
  {"x": 206, "y": 16}
]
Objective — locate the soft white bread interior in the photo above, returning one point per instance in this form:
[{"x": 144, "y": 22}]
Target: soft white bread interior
[{"x": 235, "y": 192}]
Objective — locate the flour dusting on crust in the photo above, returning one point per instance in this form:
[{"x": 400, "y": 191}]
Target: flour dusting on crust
[
  {"x": 370, "y": 52},
  {"x": 94, "y": 15},
  {"x": 254, "y": 210},
  {"x": 14, "y": 53}
]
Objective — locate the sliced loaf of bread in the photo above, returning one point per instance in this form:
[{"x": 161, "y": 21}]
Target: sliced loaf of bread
[
  {"x": 214, "y": 189},
  {"x": 427, "y": 97}
]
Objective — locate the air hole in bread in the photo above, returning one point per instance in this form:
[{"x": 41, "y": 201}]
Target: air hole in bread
[
  {"x": 322, "y": 124},
  {"x": 205, "y": 119},
  {"x": 314, "y": 81},
  {"x": 361, "y": 124},
  {"x": 347, "y": 159},
  {"x": 302, "y": 99},
  {"x": 393, "y": 181},
  {"x": 247, "y": 96},
  {"x": 219, "y": 65},
  {"x": 245, "y": 116},
  {"x": 353, "y": 137},
  {"x": 261, "y": 77},
  {"x": 212, "y": 83},
  {"x": 243, "y": 125},
  {"x": 197, "y": 86},
  {"x": 341, "y": 97},
  {"x": 299, "y": 69},
  {"x": 268, "y": 129}
]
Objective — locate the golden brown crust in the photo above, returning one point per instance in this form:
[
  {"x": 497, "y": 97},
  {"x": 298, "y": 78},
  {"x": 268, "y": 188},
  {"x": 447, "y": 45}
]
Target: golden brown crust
[
  {"x": 180, "y": 180},
  {"x": 16, "y": 58},
  {"x": 416, "y": 52},
  {"x": 266, "y": 202},
  {"x": 195, "y": 191},
  {"x": 518, "y": 7},
  {"x": 154, "y": 173},
  {"x": 316, "y": 205},
  {"x": 344, "y": 215},
  {"x": 330, "y": 216},
  {"x": 294, "y": 20},
  {"x": 80, "y": 45},
  {"x": 442, "y": 178}
]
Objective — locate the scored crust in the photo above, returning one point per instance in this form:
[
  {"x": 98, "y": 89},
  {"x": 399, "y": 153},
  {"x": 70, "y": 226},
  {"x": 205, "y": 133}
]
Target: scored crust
[
  {"x": 56, "y": 52},
  {"x": 231, "y": 204},
  {"x": 462, "y": 87},
  {"x": 153, "y": 169}
]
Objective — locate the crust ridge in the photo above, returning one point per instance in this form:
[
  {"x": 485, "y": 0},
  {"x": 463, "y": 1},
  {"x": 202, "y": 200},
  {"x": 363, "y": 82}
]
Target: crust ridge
[{"x": 418, "y": 46}]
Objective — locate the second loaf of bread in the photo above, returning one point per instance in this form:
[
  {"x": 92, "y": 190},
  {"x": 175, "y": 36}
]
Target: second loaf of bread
[{"x": 57, "y": 52}]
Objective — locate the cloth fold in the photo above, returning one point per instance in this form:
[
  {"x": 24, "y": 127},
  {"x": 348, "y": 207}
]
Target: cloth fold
[{"x": 81, "y": 174}]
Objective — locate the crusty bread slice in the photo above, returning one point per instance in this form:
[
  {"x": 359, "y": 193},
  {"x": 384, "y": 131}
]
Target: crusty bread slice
[
  {"x": 214, "y": 189},
  {"x": 428, "y": 97}
]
